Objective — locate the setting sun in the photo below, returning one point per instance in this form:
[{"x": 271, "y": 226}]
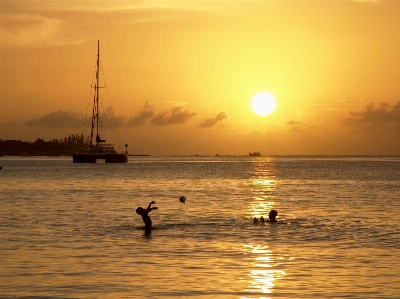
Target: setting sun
[{"x": 263, "y": 103}]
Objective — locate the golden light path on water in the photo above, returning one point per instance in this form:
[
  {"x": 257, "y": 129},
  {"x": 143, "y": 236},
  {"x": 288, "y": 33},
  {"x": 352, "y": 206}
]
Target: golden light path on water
[
  {"x": 263, "y": 269},
  {"x": 263, "y": 275},
  {"x": 261, "y": 205}
]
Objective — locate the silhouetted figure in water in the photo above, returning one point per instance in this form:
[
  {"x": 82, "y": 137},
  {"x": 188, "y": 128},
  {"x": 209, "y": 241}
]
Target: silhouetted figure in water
[
  {"x": 145, "y": 214},
  {"x": 272, "y": 215}
]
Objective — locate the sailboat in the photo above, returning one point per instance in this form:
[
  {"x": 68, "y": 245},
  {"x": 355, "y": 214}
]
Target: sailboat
[{"x": 98, "y": 149}]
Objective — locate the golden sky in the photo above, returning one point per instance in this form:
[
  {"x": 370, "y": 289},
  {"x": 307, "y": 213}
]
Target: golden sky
[{"x": 180, "y": 74}]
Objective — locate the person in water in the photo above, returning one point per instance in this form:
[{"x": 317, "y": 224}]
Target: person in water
[
  {"x": 272, "y": 215},
  {"x": 145, "y": 214}
]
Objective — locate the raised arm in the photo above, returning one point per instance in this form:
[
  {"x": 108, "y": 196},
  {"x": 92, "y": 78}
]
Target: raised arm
[{"x": 149, "y": 208}]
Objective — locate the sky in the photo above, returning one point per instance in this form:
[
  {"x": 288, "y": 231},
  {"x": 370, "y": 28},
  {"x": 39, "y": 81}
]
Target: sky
[{"x": 180, "y": 75}]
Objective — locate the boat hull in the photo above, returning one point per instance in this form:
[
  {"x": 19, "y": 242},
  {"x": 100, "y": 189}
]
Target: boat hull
[
  {"x": 254, "y": 154},
  {"x": 92, "y": 158}
]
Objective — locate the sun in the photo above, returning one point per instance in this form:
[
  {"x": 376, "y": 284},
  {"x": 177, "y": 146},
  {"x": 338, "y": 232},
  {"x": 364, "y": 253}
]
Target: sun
[{"x": 263, "y": 103}]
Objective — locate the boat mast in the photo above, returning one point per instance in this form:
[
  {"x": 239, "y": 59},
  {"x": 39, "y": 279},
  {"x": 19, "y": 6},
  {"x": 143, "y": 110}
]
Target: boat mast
[{"x": 97, "y": 94}]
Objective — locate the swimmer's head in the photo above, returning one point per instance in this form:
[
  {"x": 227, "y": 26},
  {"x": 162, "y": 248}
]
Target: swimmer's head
[
  {"x": 272, "y": 215},
  {"x": 255, "y": 219},
  {"x": 139, "y": 210}
]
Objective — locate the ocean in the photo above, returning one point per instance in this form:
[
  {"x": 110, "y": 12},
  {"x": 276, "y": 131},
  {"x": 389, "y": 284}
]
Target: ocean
[{"x": 70, "y": 230}]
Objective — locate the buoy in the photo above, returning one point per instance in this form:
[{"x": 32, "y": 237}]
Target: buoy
[{"x": 182, "y": 199}]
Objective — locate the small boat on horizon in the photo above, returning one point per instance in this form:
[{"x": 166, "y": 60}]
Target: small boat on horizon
[
  {"x": 254, "y": 154},
  {"x": 98, "y": 149}
]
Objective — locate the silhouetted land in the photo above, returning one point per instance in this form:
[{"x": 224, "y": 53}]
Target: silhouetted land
[{"x": 55, "y": 147}]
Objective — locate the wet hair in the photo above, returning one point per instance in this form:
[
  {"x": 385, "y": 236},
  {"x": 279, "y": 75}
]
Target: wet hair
[{"x": 139, "y": 210}]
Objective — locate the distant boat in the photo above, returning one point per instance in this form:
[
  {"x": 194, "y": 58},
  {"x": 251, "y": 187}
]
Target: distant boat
[
  {"x": 254, "y": 154},
  {"x": 98, "y": 149}
]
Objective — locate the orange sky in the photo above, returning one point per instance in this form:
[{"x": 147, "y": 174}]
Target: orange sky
[{"x": 181, "y": 74}]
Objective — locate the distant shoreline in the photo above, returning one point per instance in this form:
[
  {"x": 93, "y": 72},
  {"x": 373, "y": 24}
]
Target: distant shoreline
[
  {"x": 36, "y": 154},
  {"x": 63, "y": 154},
  {"x": 53, "y": 154}
]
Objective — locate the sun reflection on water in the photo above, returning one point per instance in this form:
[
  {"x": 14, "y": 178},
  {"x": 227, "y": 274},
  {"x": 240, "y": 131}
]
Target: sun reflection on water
[
  {"x": 263, "y": 185},
  {"x": 265, "y": 266},
  {"x": 263, "y": 274},
  {"x": 263, "y": 201}
]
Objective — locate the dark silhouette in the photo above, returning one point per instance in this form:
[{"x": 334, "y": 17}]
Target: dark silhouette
[
  {"x": 145, "y": 214},
  {"x": 272, "y": 215},
  {"x": 55, "y": 147}
]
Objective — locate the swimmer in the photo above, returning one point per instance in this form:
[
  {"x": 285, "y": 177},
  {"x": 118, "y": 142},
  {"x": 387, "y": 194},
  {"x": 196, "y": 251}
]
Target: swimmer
[
  {"x": 145, "y": 214},
  {"x": 272, "y": 215}
]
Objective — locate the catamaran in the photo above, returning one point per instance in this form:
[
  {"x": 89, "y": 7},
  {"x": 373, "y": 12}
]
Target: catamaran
[{"x": 98, "y": 149}]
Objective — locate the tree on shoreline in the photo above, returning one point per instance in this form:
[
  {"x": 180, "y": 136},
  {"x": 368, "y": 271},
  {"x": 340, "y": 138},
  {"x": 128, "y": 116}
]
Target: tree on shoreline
[{"x": 71, "y": 143}]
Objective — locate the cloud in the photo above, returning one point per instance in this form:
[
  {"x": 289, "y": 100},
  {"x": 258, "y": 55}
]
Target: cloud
[
  {"x": 107, "y": 116},
  {"x": 64, "y": 119},
  {"x": 144, "y": 114},
  {"x": 173, "y": 117},
  {"x": 60, "y": 119},
  {"x": 123, "y": 5},
  {"x": 93, "y": 5},
  {"x": 383, "y": 114},
  {"x": 295, "y": 125},
  {"x": 293, "y": 122},
  {"x": 209, "y": 122},
  {"x": 366, "y": 1},
  {"x": 31, "y": 30}
]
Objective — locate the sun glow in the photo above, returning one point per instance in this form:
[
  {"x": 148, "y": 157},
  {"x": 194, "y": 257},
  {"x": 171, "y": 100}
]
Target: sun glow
[{"x": 263, "y": 103}]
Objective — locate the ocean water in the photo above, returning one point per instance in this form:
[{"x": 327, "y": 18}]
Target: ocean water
[{"x": 70, "y": 230}]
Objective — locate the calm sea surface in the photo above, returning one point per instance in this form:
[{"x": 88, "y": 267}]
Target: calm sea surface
[{"x": 70, "y": 230}]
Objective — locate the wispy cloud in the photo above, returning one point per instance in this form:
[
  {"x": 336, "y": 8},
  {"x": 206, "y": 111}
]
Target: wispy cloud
[
  {"x": 38, "y": 23},
  {"x": 59, "y": 119},
  {"x": 126, "y": 5},
  {"x": 115, "y": 5},
  {"x": 65, "y": 119},
  {"x": 384, "y": 113},
  {"x": 176, "y": 116},
  {"x": 367, "y": 1},
  {"x": 140, "y": 119},
  {"x": 30, "y": 30},
  {"x": 210, "y": 122}
]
